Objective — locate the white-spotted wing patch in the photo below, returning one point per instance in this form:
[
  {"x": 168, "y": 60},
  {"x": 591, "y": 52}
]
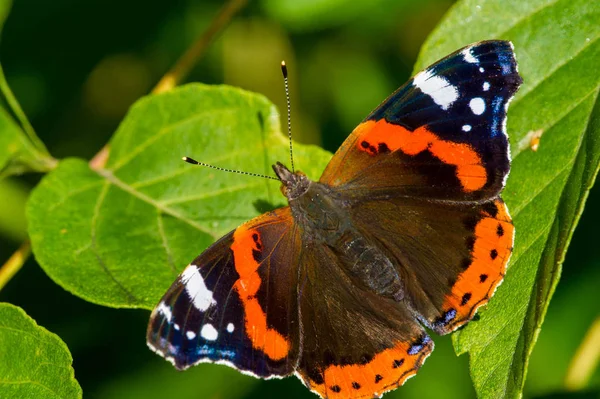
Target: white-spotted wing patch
[
  {"x": 486, "y": 86},
  {"x": 469, "y": 57},
  {"x": 466, "y": 128},
  {"x": 439, "y": 89},
  {"x": 201, "y": 296},
  {"x": 477, "y": 105},
  {"x": 230, "y": 328},
  {"x": 190, "y": 334},
  {"x": 209, "y": 332}
]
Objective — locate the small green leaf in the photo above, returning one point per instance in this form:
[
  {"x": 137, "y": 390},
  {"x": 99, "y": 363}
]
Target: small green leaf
[
  {"x": 118, "y": 236},
  {"x": 17, "y": 153},
  {"x": 34, "y": 363},
  {"x": 557, "y": 48},
  {"x": 20, "y": 149}
]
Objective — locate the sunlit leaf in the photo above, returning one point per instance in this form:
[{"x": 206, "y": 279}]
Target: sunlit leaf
[
  {"x": 34, "y": 363},
  {"x": 557, "y": 48},
  {"x": 118, "y": 236}
]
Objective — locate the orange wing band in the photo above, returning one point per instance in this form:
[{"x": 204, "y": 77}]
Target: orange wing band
[
  {"x": 272, "y": 343},
  {"x": 387, "y": 370},
  {"x": 375, "y": 137},
  {"x": 491, "y": 251}
]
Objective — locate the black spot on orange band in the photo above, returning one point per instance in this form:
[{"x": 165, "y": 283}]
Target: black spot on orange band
[
  {"x": 493, "y": 254},
  {"x": 499, "y": 230},
  {"x": 465, "y": 299}
]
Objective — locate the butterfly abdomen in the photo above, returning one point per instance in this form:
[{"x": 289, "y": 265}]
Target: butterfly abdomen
[
  {"x": 365, "y": 262},
  {"x": 322, "y": 216}
]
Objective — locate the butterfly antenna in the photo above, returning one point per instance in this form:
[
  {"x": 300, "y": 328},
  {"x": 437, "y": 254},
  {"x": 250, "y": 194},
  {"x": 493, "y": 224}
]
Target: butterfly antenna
[
  {"x": 289, "y": 110},
  {"x": 194, "y": 162}
]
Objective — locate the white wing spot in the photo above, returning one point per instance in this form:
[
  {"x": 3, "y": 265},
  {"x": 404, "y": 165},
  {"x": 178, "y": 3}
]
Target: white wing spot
[
  {"x": 176, "y": 326},
  {"x": 481, "y": 70},
  {"x": 165, "y": 311},
  {"x": 466, "y": 128},
  {"x": 209, "y": 333},
  {"x": 477, "y": 105},
  {"x": 486, "y": 86},
  {"x": 190, "y": 334},
  {"x": 196, "y": 289},
  {"x": 439, "y": 89},
  {"x": 469, "y": 57},
  {"x": 230, "y": 328}
]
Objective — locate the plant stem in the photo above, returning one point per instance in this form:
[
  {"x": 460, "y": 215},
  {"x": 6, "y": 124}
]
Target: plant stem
[
  {"x": 14, "y": 263},
  {"x": 586, "y": 359},
  {"x": 185, "y": 63}
]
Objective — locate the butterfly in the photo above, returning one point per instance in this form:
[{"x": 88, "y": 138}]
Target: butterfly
[{"x": 404, "y": 232}]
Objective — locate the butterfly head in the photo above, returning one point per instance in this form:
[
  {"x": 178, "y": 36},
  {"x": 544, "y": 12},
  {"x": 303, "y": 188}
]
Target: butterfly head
[{"x": 293, "y": 184}]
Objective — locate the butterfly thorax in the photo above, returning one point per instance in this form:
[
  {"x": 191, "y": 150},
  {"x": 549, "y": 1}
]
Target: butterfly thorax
[{"x": 322, "y": 216}]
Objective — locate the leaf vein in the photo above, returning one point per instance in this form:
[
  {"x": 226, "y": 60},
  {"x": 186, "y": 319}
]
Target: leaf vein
[
  {"x": 214, "y": 193},
  {"x": 163, "y": 237},
  {"x": 143, "y": 197},
  {"x": 99, "y": 259},
  {"x": 185, "y": 170},
  {"x": 162, "y": 132}
]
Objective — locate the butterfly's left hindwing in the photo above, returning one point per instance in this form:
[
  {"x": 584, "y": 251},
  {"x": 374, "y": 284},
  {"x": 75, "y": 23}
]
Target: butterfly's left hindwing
[{"x": 232, "y": 305}]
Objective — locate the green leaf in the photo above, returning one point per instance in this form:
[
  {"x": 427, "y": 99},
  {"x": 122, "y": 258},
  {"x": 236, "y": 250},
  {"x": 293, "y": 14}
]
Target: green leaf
[
  {"x": 20, "y": 149},
  {"x": 17, "y": 153},
  {"x": 34, "y": 363},
  {"x": 557, "y": 48},
  {"x": 119, "y": 236}
]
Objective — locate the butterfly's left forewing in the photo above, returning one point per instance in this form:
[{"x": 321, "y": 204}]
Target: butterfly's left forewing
[{"x": 236, "y": 303}]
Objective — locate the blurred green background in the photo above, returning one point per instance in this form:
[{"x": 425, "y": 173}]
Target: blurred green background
[{"x": 76, "y": 67}]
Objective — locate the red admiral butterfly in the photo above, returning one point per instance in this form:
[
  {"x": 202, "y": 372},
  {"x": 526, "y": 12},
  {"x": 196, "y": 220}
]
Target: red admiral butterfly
[{"x": 405, "y": 230}]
